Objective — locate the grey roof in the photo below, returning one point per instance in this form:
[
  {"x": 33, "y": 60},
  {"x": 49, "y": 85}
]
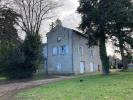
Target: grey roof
[{"x": 77, "y": 32}]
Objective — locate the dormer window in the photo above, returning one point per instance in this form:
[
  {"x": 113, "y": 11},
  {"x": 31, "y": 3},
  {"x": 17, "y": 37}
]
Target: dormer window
[{"x": 59, "y": 39}]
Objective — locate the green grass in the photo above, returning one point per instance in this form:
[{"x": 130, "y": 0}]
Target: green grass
[
  {"x": 2, "y": 78},
  {"x": 117, "y": 86},
  {"x": 42, "y": 76},
  {"x": 129, "y": 70}
]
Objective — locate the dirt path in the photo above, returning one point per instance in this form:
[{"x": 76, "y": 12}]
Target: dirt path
[{"x": 8, "y": 89}]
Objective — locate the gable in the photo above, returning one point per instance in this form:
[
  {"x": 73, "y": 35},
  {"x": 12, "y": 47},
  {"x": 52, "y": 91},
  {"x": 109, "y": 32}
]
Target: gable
[{"x": 63, "y": 32}]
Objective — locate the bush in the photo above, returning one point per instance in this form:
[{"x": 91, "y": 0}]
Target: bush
[
  {"x": 17, "y": 62},
  {"x": 32, "y": 49},
  {"x": 13, "y": 64}
]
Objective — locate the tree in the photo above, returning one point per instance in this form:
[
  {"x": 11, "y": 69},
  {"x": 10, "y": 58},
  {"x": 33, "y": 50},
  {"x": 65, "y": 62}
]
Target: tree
[
  {"x": 33, "y": 13},
  {"x": 97, "y": 18},
  {"x": 124, "y": 49},
  {"x": 8, "y": 18},
  {"x": 121, "y": 26},
  {"x": 11, "y": 59},
  {"x": 94, "y": 25}
]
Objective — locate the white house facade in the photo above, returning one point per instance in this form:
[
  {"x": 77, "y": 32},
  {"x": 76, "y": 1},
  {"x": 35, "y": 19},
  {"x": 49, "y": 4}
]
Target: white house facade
[{"x": 68, "y": 53}]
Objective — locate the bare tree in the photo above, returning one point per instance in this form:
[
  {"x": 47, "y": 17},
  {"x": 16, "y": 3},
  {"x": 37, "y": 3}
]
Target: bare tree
[{"x": 33, "y": 12}]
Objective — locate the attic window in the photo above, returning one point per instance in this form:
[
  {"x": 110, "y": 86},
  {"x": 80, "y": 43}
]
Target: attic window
[{"x": 59, "y": 39}]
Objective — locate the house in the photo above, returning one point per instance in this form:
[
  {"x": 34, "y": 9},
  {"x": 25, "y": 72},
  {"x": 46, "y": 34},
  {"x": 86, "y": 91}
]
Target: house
[{"x": 68, "y": 53}]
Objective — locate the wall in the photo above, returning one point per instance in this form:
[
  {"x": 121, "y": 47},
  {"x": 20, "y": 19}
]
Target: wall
[
  {"x": 64, "y": 60},
  {"x": 80, "y": 41}
]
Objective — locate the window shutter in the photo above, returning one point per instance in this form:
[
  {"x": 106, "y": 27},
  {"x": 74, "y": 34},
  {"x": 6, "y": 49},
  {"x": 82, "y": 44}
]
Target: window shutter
[
  {"x": 59, "y": 50},
  {"x": 55, "y": 51},
  {"x": 66, "y": 49}
]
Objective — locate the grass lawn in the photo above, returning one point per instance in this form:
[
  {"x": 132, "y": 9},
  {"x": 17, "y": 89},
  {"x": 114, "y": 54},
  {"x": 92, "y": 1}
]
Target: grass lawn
[
  {"x": 2, "y": 78},
  {"x": 117, "y": 86}
]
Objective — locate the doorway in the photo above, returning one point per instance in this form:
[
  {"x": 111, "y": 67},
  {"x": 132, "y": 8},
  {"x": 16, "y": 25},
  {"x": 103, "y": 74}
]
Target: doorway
[
  {"x": 91, "y": 67},
  {"x": 82, "y": 67}
]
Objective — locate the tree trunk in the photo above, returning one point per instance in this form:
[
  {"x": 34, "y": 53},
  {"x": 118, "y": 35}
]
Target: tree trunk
[{"x": 103, "y": 56}]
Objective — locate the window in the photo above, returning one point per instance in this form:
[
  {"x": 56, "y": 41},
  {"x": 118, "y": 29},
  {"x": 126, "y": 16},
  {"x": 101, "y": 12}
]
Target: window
[
  {"x": 91, "y": 53},
  {"x": 63, "y": 50},
  {"x": 55, "y": 51},
  {"x": 59, "y": 39},
  {"x": 81, "y": 51},
  {"x": 82, "y": 67}
]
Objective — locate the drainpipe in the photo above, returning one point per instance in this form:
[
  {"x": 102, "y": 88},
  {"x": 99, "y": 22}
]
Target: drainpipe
[
  {"x": 72, "y": 55},
  {"x": 47, "y": 59}
]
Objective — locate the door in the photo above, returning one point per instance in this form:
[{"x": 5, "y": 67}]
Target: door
[
  {"x": 91, "y": 67},
  {"x": 82, "y": 67}
]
